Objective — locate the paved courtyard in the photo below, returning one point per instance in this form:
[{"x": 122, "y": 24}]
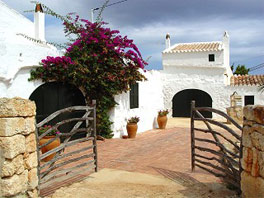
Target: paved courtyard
[{"x": 162, "y": 153}]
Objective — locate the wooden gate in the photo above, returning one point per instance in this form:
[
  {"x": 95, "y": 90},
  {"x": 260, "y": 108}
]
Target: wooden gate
[
  {"x": 75, "y": 157},
  {"x": 215, "y": 146}
]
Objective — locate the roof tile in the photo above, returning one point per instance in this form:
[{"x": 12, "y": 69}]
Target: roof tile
[{"x": 247, "y": 80}]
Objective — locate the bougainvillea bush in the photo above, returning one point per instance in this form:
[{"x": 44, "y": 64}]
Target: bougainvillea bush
[{"x": 99, "y": 61}]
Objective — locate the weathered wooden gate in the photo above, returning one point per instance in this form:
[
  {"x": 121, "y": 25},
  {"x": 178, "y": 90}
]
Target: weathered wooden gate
[
  {"x": 215, "y": 146},
  {"x": 75, "y": 157}
]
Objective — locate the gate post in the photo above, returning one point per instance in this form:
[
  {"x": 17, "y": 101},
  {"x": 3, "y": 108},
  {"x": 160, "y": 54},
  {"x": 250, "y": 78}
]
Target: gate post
[
  {"x": 18, "y": 145},
  {"x": 192, "y": 135},
  {"x": 252, "y": 162}
]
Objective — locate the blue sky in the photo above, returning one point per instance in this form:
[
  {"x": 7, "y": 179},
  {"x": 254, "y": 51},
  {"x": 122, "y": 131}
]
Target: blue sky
[{"x": 148, "y": 21}]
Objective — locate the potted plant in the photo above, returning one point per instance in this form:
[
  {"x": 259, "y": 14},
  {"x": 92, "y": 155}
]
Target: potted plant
[
  {"x": 132, "y": 126},
  {"x": 162, "y": 118},
  {"x": 55, "y": 143}
]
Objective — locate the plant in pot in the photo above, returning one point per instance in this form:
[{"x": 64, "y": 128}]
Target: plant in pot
[
  {"x": 162, "y": 118},
  {"x": 55, "y": 143},
  {"x": 132, "y": 126}
]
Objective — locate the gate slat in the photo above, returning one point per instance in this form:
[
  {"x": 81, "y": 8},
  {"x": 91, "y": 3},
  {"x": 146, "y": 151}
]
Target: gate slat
[
  {"x": 66, "y": 155},
  {"x": 56, "y": 173},
  {"x": 63, "y": 145},
  {"x": 219, "y": 134},
  {"x": 72, "y": 174},
  {"x": 69, "y": 163},
  {"x": 228, "y": 161}
]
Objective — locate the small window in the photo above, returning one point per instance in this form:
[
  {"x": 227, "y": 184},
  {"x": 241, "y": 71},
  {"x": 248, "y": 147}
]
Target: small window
[
  {"x": 211, "y": 57},
  {"x": 249, "y": 100},
  {"x": 133, "y": 96}
]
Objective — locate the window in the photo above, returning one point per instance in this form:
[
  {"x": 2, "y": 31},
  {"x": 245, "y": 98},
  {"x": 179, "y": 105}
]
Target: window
[
  {"x": 134, "y": 96},
  {"x": 211, "y": 57},
  {"x": 249, "y": 100}
]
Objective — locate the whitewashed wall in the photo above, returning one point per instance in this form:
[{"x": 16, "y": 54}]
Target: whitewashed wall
[
  {"x": 191, "y": 59},
  {"x": 17, "y": 54},
  {"x": 210, "y": 81},
  {"x": 150, "y": 102}
]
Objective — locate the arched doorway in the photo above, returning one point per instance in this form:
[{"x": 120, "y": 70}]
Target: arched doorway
[
  {"x": 181, "y": 102},
  {"x": 54, "y": 96}
]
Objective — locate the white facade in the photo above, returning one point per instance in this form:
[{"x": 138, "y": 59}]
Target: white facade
[
  {"x": 17, "y": 54},
  {"x": 185, "y": 66}
]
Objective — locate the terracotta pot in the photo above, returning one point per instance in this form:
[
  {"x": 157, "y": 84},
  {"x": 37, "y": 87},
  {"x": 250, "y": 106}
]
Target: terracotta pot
[
  {"x": 162, "y": 121},
  {"x": 132, "y": 130},
  {"x": 49, "y": 147}
]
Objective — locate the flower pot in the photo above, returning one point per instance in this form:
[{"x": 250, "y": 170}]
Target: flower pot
[
  {"x": 49, "y": 147},
  {"x": 162, "y": 121},
  {"x": 132, "y": 130}
]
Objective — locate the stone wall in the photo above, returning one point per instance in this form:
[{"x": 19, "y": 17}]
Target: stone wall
[
  {"x": 252, "y": 176},
  {"x": 18, "y": 147}
]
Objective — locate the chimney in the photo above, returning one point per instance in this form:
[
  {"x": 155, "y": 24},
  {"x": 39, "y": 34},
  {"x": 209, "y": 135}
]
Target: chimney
[
  {"x": 226, "y": 49},
  {"x": 39, "y": 22},
  {"x": 167, "y": 40}
]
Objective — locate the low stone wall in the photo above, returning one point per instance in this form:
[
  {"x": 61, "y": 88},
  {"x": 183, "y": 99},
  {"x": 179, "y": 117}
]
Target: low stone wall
[
  {"x": 252, "y": 176},
  {"x": 18, "y": 147}
]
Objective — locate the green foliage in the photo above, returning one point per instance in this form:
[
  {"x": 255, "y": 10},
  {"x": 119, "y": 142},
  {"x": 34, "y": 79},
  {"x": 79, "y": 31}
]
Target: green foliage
[{"x": 240, "y": 70}]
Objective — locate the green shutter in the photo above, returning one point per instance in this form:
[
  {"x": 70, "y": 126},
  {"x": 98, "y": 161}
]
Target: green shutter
[{"x": 133, "y": 96}]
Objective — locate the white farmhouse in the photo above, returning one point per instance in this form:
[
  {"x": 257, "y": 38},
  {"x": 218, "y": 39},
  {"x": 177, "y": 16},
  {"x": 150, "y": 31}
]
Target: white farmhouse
[
  {"x": 18, "y": 54},
  {"x": 191, "y": 71}
]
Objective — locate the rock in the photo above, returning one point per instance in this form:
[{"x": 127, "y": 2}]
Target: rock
[
  {"x": 33, "y": 193},
  {"x": 246, "y": 139},
  {"x": 31, "y": 145},
  {"x": 15, "y": 184},
  {"x": 10, "y": 167},
  {"x": 16, "y": 107},
  {"x": 257, "y": 140},
  {"x": 248, "y": 112},
  {"x": 30, "y": 125},
  {"x": 261, "y": 163},
  {"x": 13, "y": 146},
  {"x": 247, "y": 159},
  {"x": 255, "y": 165},
  {"x": 32, "y": 179},
  {"x": 252, "y": 187},
  {"x": 31, "y": 160},
  {"x": 259, "y": 128}
]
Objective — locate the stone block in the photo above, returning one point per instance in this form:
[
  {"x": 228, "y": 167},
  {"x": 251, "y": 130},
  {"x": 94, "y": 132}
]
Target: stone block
[
  {"x": 257, "y": 140},
  {"x": 16, "y": 107},
  {"x": 248, "y": 112},
  {"x": 15, "y": 184},
  {"x": 31, "y": 145},
  {"x": 14, "y": 166},
  {"x": 18, "y": 125},
  {"x": 255, "y": 165},
  {"x": 247, "y": 159},
  {"x": 258, "y": 127},
  {"x": 13, "y": 146},
  {"x": 32, "y": 179},
  {"x": 33, "y": 193},
  {"x": 261, "y": 163},
  {"x": 246, "y": 139},
  {"x": 252, "y": 187},
  {"x": 31, "y": 160}
]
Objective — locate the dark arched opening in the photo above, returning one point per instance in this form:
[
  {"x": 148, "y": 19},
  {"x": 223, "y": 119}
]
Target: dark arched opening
[
  {"x": 181, "y": 102},
  {"x": 54, "y": 96}
]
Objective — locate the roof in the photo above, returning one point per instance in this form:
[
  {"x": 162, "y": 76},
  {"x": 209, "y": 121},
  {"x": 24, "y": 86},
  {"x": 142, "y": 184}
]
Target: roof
[
  {"x": 195, "y": 47},
  {"x": 247, "y": 80}
]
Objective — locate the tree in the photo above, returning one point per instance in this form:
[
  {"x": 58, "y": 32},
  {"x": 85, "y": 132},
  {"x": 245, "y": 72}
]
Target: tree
[
  {"x": 99, "y": 61},
  {"x": 240, "y": 69}
]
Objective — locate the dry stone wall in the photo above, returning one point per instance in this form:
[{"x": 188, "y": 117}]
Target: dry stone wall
[
  {"x": 18, "y": 155},
  {"x": 252, "y": 176}
]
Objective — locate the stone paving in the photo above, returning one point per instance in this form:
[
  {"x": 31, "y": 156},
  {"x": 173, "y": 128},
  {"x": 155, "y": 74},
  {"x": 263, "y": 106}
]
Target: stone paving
[
  {"x": 158, "y": 152},
  {"x": 153, "y": 152}
]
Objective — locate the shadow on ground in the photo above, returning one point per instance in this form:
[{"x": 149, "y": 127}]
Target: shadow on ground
[{"x": 194, "y": 188}]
